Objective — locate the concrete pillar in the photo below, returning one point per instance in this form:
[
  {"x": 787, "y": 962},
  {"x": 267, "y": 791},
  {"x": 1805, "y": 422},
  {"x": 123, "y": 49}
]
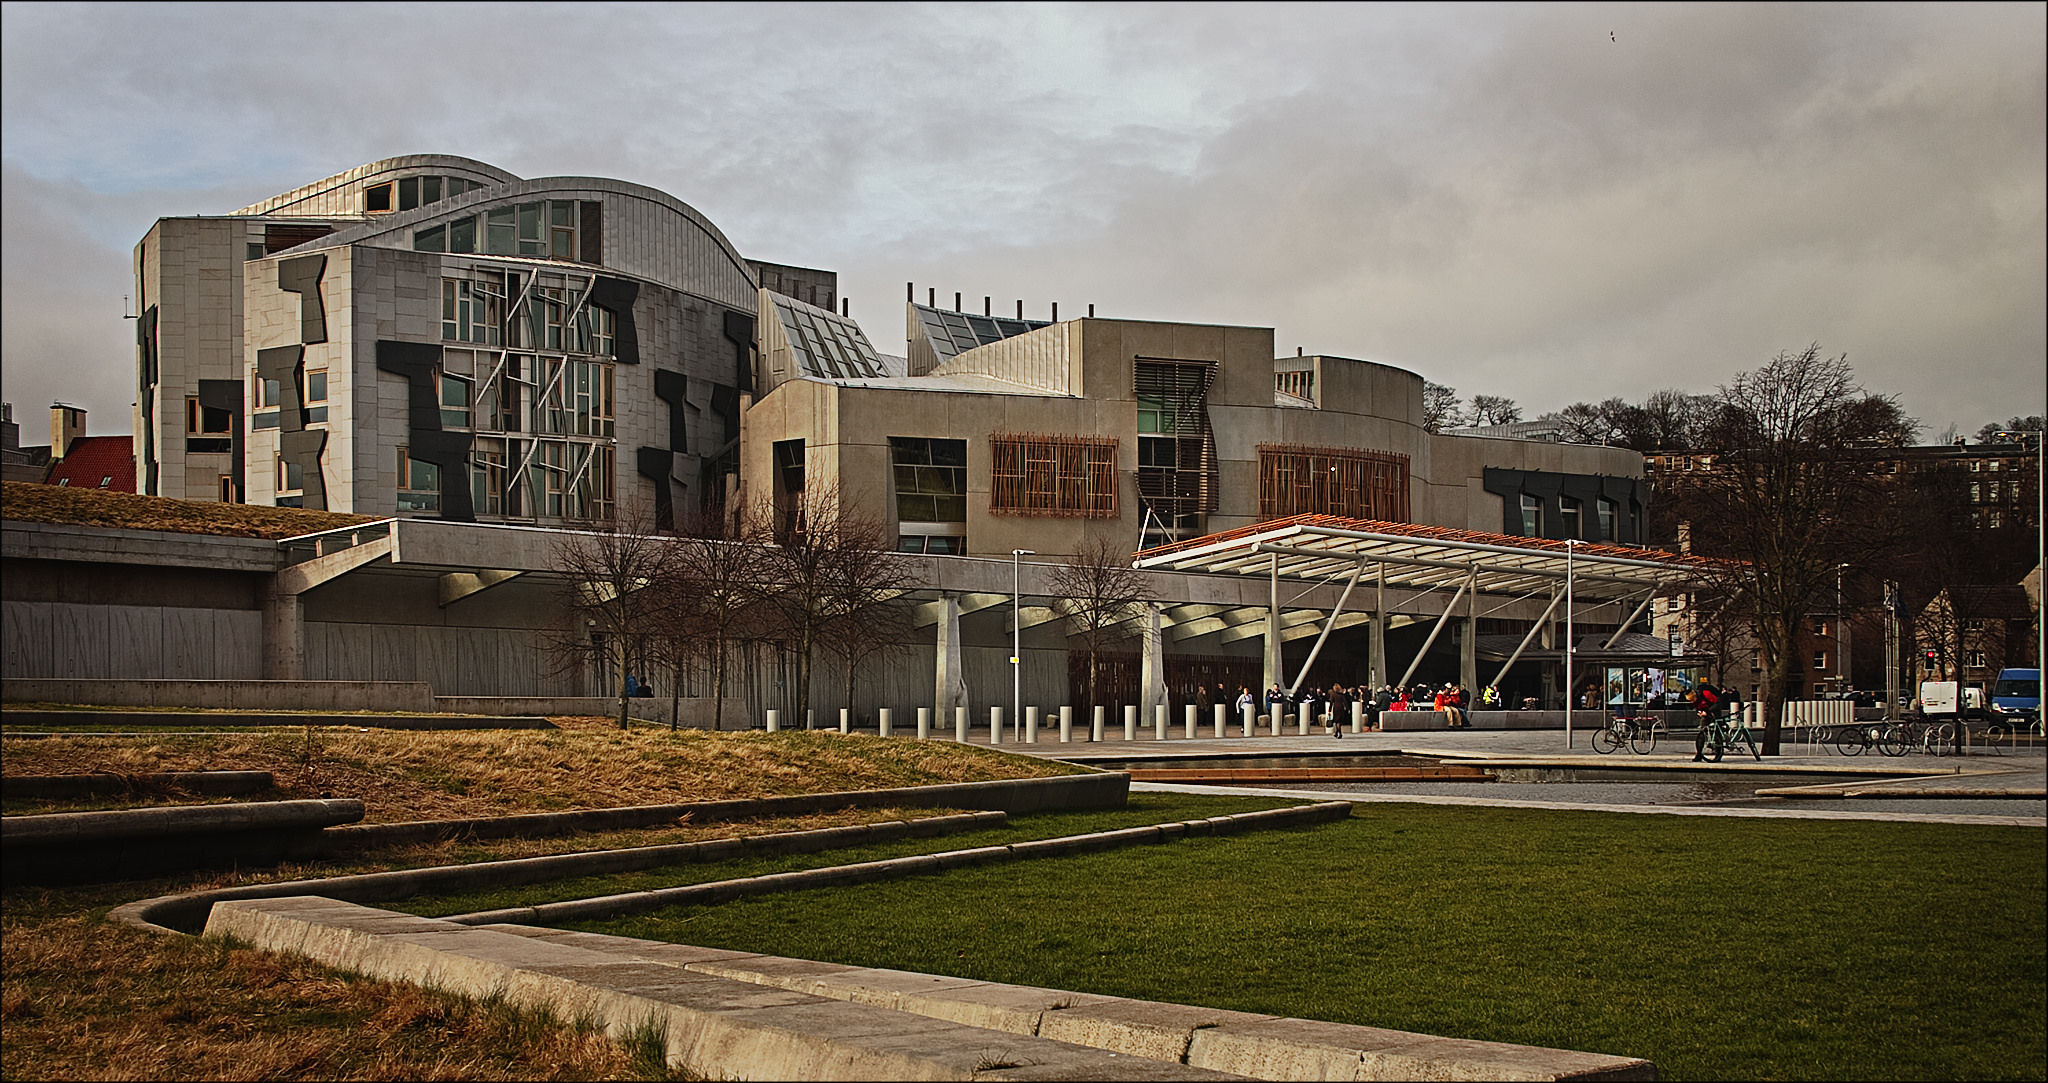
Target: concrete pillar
[
  {"x": 951, "y": 690},
  {"x": 884, "y": 713},
  {"x": 845, "y": 720},
  {"x": 1302, "y": 712},
  {"x": 1192, "y": 720},
  {"x": 1278, "y": 718},
  {"x": 1357, "y": 716},
  {"x": 1221, "y": 713},
  {"x": 1066, "y": 724},
  {"x": 1130, "y": 722},
  {"x": 284, "y": 637},
  {"x": 960, "y": 724},
  {"x": 924, "y": 723},
  {"x": 995, "y": 725},
  {"x": 774, "y": 720},
  {"x": 1247, "y": 713},
  {"x": 1095, "y": 726},
  {"x": 1159, "y": 722},
  {"x": 1152, "y": 663},
  {"x": 1030, "y": 725}
]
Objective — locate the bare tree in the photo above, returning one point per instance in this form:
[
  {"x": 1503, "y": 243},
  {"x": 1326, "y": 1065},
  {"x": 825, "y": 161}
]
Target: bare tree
[
  {"x": 1494, "y": 410},
  {"x": 1100, "y": 594},
  {"x": 1789, "y": 499},
  {"x": 1440, "y": 408},
  {"x": 606, "y": 580},
  {"x": 825, "y": 563},
  {"x": 711, "y": 600}
]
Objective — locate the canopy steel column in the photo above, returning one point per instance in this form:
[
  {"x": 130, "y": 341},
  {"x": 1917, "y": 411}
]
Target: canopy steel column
[
  {"x": 1325, "y": 634},
  {"x": 1273, "y": 627},
  {"x": 1632, "y": 618},
  {"x": 1378, "y": 672},
  {"x": 1434, "y": 629},
  {"x": 1468, "y": 650}
]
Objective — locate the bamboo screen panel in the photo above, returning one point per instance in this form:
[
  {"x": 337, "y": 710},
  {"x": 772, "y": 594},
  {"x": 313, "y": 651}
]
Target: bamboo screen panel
[
  {"x": 1297, "y": 479},
  {"x": 1056, "y": 476}
]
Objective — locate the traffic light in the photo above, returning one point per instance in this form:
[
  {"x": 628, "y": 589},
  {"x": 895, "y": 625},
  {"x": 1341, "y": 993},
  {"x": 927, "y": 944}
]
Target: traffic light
[{"x": 1930, "y": 659}]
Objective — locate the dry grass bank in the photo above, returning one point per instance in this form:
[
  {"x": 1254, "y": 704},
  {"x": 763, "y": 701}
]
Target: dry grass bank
[
  {"x": 454, "y": 774},
  {"x": 32, "y": 503}
]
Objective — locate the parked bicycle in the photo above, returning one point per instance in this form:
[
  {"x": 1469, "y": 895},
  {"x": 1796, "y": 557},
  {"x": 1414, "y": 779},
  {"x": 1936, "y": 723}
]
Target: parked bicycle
[
  {"x": 1857, "y": 739},
  {"x": 1638, "y": 732},
  {"x": 1721, "y": 734}
]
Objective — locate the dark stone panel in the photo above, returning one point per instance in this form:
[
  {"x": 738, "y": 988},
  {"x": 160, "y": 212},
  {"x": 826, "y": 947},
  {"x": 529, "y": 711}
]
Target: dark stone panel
[
  {"x": 739, "y": 330},
  {"x": 1630, "y": 496},
  {"x": 296, "y": 443},
  {"x": 616, "y": 295},
  {"x": 95, "y": 583},
  {"x": 725, "y": 403},
  {"x": 302, "y": 276},
  {"x": 227, "y": 395},
  {"x": 427, "y": 441},
  {"x": 674, "y": 388},
  {"x": 654, "y": 463},
  {"x": 304, "y": 447}
]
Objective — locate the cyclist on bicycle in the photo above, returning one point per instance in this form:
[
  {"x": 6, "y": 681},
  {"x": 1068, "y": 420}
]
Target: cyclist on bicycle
[{"x": 1706, "y": 701}]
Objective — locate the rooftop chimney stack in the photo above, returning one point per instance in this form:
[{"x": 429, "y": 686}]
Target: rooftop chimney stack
[{"x": 67, "y": 423}]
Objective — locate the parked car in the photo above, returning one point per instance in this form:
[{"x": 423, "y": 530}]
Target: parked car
[{"x": 2017, "y": 695}]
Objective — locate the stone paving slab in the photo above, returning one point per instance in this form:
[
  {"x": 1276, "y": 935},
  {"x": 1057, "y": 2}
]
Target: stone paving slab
[
  {"x": 1239, "y": 1043},
  {"x": 711, "y": 1026}
]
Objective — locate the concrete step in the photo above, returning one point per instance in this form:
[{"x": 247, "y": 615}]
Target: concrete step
[
  {"x": 739, "y": 1015},
  {"x": 711, "y": 1026},
  {"x": 1448, "y": 773}
]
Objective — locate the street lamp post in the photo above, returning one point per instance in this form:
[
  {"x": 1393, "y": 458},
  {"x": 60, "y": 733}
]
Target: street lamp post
[
  {"x": 1570, "y": 546},
  {"x": 1016, "y": 639},
  {"x": 1844, "y": 674}
]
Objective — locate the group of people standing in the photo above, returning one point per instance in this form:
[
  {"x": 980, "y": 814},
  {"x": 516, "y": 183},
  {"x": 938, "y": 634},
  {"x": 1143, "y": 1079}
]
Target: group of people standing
[{"x": 1331, "y": 706}]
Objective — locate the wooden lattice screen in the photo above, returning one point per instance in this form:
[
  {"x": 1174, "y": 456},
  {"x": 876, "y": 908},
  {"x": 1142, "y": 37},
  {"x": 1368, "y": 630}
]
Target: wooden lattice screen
[
  {"x": 1057, "y": 476},
  {"x": 1298, "y": 479}
]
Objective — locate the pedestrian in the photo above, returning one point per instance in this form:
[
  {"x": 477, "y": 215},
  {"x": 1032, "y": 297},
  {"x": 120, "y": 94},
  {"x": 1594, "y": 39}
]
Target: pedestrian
[
  {"x": 1202, "y": 702},
  {"x": 632, "y": 686},
  {"x": 1276, "y": 702},
  {"x": 1340, "y": 708},
  {"x": 1706, "y": 703}
]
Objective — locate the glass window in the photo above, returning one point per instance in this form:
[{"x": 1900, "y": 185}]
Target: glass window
[
  {"x": 531, "y": 243},
  {"x": 1569, "y": 512},
  {"x": 431, "y": 239},
  {"x": 454, "y": 402},
  {"x": 1532, "y": 516},
  {"x": 925, "y": 492},
  {"x": 253, "y": 251},
  {"x": 462, "y": 235},
  {"x": 408, "y": 193},
  {"x": 430, "y": 189},
  {"x": 501, "y": 231},
  {"x": 377, "y": 197},
  {"x": 207, "y": 420},
  {"x": 419, "y": 483},
  {"x": 1605, "y": 508}
]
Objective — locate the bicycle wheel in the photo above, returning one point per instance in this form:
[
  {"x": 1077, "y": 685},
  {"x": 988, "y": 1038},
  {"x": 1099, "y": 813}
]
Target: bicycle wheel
[
  {"x": 1852, "y": 740},
  {"x": 1606, "y": 740},
  {"x": 1749, "y": 739},
  {"x": 1644, "y": 740},
  {"x": 1716, "y": 744},
  {"x": 1894, "y": 740}
]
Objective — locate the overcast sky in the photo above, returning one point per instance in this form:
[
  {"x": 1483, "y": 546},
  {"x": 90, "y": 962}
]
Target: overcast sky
[{"x": 1551, "y": 203}]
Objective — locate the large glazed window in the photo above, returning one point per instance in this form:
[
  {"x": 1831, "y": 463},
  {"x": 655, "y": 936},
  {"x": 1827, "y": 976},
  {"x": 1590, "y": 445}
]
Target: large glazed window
[
  {"x": 1355, "y": 483},
  {"x": 1176, "y": 450},
  {"x": 563, "y": 229},
  {"x": 1058, "y": 476}
]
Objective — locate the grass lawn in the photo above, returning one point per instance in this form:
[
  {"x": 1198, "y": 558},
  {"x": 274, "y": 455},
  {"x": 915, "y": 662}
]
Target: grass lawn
[{"x": 1719, "y": 948}]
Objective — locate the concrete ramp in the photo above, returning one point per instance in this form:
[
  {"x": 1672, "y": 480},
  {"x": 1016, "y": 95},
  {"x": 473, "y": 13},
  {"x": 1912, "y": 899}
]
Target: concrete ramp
[{"x": 737, "y": 1015}]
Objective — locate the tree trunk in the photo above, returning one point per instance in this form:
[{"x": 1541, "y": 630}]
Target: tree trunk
[
  {"x": 718, "y": 688},
  {"x": 619, "y": 656}
]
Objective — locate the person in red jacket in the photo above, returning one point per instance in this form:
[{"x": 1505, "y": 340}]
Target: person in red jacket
[{"x": 1706, "y": 702}]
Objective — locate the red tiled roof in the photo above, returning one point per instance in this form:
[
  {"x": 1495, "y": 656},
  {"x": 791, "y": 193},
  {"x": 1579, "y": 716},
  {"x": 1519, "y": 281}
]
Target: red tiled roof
[{"x": 95, "y": 457}]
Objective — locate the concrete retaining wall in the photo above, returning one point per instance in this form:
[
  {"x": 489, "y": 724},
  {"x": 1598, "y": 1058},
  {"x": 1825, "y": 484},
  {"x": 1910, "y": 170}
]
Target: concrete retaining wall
[
  {"x": 414, "y": 696},
  {"x": 1106, "y": 789},
  {"x": 187, "y": 912},
  {"x": 212, "y": 783},
  {"x": 66, "y": 847},
  {"x": 696, "y": 712},
  {"x": 267, "y": 718}
]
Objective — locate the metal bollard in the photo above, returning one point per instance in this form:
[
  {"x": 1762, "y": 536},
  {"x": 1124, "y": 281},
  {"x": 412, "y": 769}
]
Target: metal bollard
[
  {"x": 960, "y": 724},
  {"x": 1192, "y": 712},
  {"x": 1095, "y": 727},
  {"x": 1357, "y": 716},
  {"x": 774, "y": 720},
  {"x": 1066, "y": 724},
  {"x": 1303, "y": 723},
  {"x": 1130, "y": 722},
  {"x": 924, "y": 723},
  {"x": 1159, "y": 722},
  {"x": 884, "y": 712},
  {"x": 1030, "y": 725},
  {"x": 846, "y": 720},
  {"x": 1221, "y": 711},
  {"x": 995, "y": 725}
]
